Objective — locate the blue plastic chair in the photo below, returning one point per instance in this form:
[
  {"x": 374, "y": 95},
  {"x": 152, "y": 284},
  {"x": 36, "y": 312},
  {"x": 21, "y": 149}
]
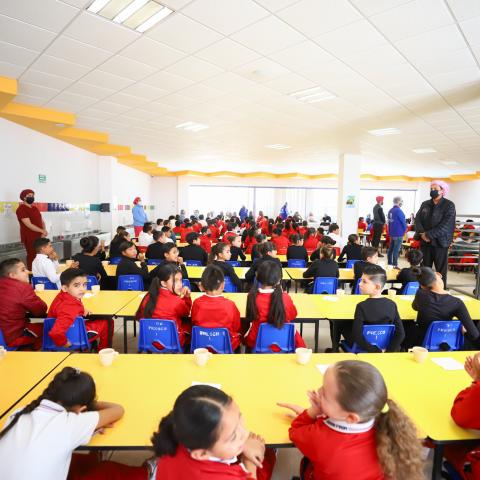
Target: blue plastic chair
[
  {"x": 154, "y": 261},
  {"x": 234, "y": 263},
  {"x": 91, "y": 280},
  {"x": 161, "y": 332},
  {"x": 48, "y": 284},
  {"x": 193, "y": 263},
  {"x": 229, "y": 286},
  {"x": 115, "y": 260},
  {"x": 351, "y": 263},
  {"x": 283, "y": 338},
  {"x": 76, "y": 334},
  {"x": 356, "y": 290},
  {"x": 130, "y": 282},
  {"x": 296, "y": 263},
  {"x": 325, "y": 285},
  {"x": 216, "y": 340},
  {"x": 186, "y": 283},
  {"x": 378, "y": 335},
  {"x": 410, "y": 288},
  {"x": 3, "y": 343},
  {"x": 444, "y": 332}
]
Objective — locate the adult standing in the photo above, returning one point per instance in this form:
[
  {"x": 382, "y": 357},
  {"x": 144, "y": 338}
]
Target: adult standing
[
  {"x": 243, "y": 213},
  {"x": 378, "y": 222},
  {"x": 434, "y": 227},
  {"x": 284, "y": 211},
  {"x": 31, "y": 223},
  {"x": 139, "y": 216},
  {"x": 397, "y": 226}
]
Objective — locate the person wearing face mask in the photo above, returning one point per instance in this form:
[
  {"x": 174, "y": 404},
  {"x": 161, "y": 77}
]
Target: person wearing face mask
[
  {"x": 434, "y": 227},
  {"x": 31, "y": 223},
  {"x": 139, "y": 216},
  {"x": 378, "y": 222},
  {"x": 397, "y": 226}
]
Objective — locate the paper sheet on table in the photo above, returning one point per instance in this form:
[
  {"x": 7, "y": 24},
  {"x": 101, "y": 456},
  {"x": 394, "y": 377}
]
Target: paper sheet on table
[
  {"x": 215, "y": 385},
  {"x": 331, "y": 299},
  {"x": 88, "y": 295},
  {"x": 407, "y": 298},
  {"x": 322, "y": 367},
  {"x": 448, "y": 363}
]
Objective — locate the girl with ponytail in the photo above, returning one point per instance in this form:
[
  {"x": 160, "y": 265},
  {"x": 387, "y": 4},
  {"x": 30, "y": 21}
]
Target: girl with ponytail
[
  {"x": 353, "y": 430},
  {"x": 269, "y": 303},
  {"x": 204, "y": 437},
  {"x": 219, "y": 256}
]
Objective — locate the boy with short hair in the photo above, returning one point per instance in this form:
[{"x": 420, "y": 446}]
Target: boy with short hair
[
  {"x": 193, "y": 251},
  {"x": 156, "y": 249},
  {"x": 18, "y": 301},
  {"x": 45, "y": 264},
  {"x": 369, "y": 257},
  {"x": 67, "y": 306}
]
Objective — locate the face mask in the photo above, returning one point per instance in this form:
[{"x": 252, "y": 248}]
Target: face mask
[
  {"x": 400, "y": 204},
  {"x": 30, "y": 200},
  {"x": 434, "y": 193}
]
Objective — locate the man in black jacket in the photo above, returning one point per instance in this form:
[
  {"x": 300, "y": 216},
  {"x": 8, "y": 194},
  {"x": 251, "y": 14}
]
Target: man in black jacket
[
  {"x": 434, "y": 227},
  {"x": 378, "y": 222}
]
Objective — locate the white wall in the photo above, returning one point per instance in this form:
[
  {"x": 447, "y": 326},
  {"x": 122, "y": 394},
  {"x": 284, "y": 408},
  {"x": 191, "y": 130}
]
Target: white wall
[
  {"x": 165, "y": 196},
  {"x": 466, "y": 196}
]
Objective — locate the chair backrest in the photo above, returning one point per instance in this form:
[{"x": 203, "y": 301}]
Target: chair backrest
[
  {"x": 216, "y": 340},
  {"x": 76, "y": 334},
  {"x": 48, "y": 284},
  {"x": 444, "y": 335},
  {"x": 410, "y": 288},
  {"x": 186, "y": 283},
  {"x": 3, "y": 343},
  {"x": 234, "y": 263},
  {"x": 193, "y": 263},
  {"x": 351, "y": 263},
  {"x": 91, "y": 280},
  {"x": 356, "y": 291},
  {"x": 130, "y": 282},
  {"x": 229, "y": 286},
  {"x": 378, "y": 335},
  {"x": 114, "y": 260},
  {"x": 154, "y": 261},
  {"x": 325, "y": 285},
  {"x": 281, "y": 339},
  {"x": 296, "y": 263},
  {"x": 158, "y": 336}
]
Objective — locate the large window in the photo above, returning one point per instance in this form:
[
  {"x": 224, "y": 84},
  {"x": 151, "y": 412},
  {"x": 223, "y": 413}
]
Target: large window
[{"x": 367, "y": 201}]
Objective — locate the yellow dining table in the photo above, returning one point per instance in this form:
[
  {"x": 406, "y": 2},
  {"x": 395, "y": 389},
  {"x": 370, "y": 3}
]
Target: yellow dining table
[{"x": 196, "y": 272}]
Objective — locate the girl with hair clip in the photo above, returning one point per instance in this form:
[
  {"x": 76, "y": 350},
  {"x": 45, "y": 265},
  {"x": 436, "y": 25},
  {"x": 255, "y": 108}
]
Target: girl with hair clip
[
  {"x": 219, "y": 256},
  {"x": 269, "y": 303},
  {"x": 353, "y": 430},
  {"x": 90, "y": 259},
  {"x": 168, "y": 299},
  {"x": 204, "y": 437},
  {"x": 38, "y": 440}
]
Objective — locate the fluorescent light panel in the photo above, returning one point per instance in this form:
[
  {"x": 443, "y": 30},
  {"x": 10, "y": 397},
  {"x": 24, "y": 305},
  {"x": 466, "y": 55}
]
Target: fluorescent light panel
[
  {"x": 450, "y": 162},
  {"x": 97, "y": 5},
  {"x": 424, "y": 150},
  {"x": 278, "y": 146},
  {"x": 133, "y": 8},
  {"x": 192, "y": 126},
  {"x": 313, "y": 95},
  {"x": 385, "y": 131}
]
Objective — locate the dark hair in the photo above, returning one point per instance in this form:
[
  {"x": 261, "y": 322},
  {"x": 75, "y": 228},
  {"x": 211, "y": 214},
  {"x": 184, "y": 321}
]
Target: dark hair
[
  {"x": 277, "y": 231},
  {"x": 178, "y": 223},
  {"x": 352, "y": 238},
  {"x": 361, "y": 219},
  {"x": 165, "y": 229},
  {"x": 368, "y": 252},
  {"x": 191, "y": 237},
  {"x": 159, "y": 221},
  {"x": 231, "y": 238},
  {"x": 121, "y": 235},
  {"x": 260, "y": 237},
  {"x": 39, "y": 243},
  {"x": 163, "y": 273},
  {"x": 310, "y": 232},
  {"x": 169, "y": 246},
  {"x": 295, "y": 238},
  {"x": 204, "y": 230},
  {"x": 414, "y": 257},
  {"x": 69, "y": 388},
  {"x": 425, "y": 275},
  {"x": 89, "y": 243},
  {"x": 147, "y": 227},
  {"x": 212, "y": 278},
  {"x": 157, "y": 234},
  {"x": 193, "y": 422},
  {"x": 326, "y": 240},
  {"x": 332, "y": 227},
  {"x": 121, "y": 229},
  {"x": 265, "y": 248},
  {"x": 68, "y": 275},
  {"x": 269, "y": 273},
  {"x": 216, "y": 250},
  {"x": 326, "y": 252},
  {"x": 376, "y": 274},
  {"x": 124, "y": 245},
  {"x": 8, "y": 266}
]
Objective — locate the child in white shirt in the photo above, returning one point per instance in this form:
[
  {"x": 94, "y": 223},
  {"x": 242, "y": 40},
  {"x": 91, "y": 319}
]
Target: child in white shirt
[
  {"x": 146, "y": 236},
  {"x": 45, "y": 264}
]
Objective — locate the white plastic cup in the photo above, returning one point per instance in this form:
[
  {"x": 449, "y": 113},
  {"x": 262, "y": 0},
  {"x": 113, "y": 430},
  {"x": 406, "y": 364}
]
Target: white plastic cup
[
  {"x": 105, "y": 263},
  {"x": 39, "y": 287},
  {"x": 95, "y": 288},
  {"x": 420, "y": 354},
  {"x": 392, "y": 293},
  {"x": 201, "y": 356},
  {"x": 107, "y": 355},
  {"x": 340, "y": 291},
  {"x": 3, "y": 352},
  {"x": 68, "y": 263},
  {"x": 303, "y": 355}
]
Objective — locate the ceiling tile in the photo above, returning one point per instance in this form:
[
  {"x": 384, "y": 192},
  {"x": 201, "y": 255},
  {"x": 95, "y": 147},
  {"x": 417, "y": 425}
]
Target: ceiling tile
[
  {"x": 38, "y": 91},
  {"x": 45, "y": 79},
  {"x": 370, "y": 7},
  {"x": 152, "y": 53},
  {"x": 10, "y": 70},
  {"x": 126, "y": 67},
  {"x": 289, "y": 83},
  {"x": 126, "y": 100},
  {"x": 167, "y": 81},
  {"x": 56, "y": 66},
  {"x": 147, "y": 92},
  {"x": 227, "y": 54},
  {"x": 194, "y": 36},
  {"x": 176, "y": 100},
  {"x": 111, "y": 108},
  {"x": 262, "y": 70},
  {"x": 275, "y": 5},
  {"x": 464, "y": 9},
  {"x": 471, "y": 29},
  {"x": 302, "y": 56},
  {"x": 447, "y": 61},
  {"x": 194, "y": 69},
  {"x": 455, "y": 79},
  {"x": 74, "y": 101},
  {"x": 88, "y": 90},
  {"x": 227, "y": 16},
  {"x": 175, "y": 4},
  {"x": 201, "y": 92},
  {"x": 93, "y": 112},
  {"x": 29, "y": 100},
  {"x": 77, "y": 3},
  {"x": 106, "y": 80},
  {"x": 16, "y": 55}
]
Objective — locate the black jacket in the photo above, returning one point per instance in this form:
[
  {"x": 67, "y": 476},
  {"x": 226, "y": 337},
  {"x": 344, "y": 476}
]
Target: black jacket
[
  {"x": 156, "y": 251},
  {"x": 236, "y": 253},
  {"x": 228, "y": 271},
  {"x": 297, "y": 252},
  {"x": 352, "y": 251},
  {"x": 127, "y": 266},
  {"x": 91, "y": 266},
  {"x": 437, "y": 221},
  {"x": 194, "y": 252},
  {"x": 322, "y": 268},
  {"x": 182, "y": 267},
  {"x": 378, "y": 214},
  {"x": 252, "y": 271}
]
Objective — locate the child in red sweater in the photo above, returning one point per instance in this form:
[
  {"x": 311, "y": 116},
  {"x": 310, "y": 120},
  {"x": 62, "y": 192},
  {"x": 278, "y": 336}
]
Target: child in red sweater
[
  {"x": 67, "y": 306},
  {"x": 18, "y": 300},
  {"x": 269, "y": 303},
  {"x": 213, "y": 310},
  {"x": 204, "y": 438},
  {"x": 280, "y": 241},
  {"x": 352, "y": 429},
  {"x": 168, "y": 299},
  {"x": 205, "y": 240}
]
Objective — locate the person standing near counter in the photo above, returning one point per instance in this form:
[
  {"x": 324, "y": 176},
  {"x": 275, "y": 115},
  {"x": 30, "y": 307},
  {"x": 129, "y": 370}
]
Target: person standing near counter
[
  {"x": 378, "y": 222},
  {"x": 139, "y": 216}
]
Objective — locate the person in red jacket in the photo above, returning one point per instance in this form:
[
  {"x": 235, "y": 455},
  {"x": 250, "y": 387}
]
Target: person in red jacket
[
  {"x": 168, "y": 299},
  {"x": 362, "y": 224},
  {"x": 213, "y": 310},
  {"x": 18, "y": 300},
  {"x": 185, "y": 231},
  {"x": 310, "y": 240},
  {"x": 280, "y": 241},
  {"x": 206, "y": 240},
  {"x": 204, "y": 438},
  {"x": 353, "y": 430},
  {"x": 269, "y": 304},
  {"x": 214, "y": 230},
  {"x": 67, "y": 306}
]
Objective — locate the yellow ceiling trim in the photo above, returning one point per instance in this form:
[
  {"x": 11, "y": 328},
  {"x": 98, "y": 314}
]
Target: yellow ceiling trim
[
  {"x": 108, "y": 149},
  {"x": 38, "y": 113},
  {"x": 80, "y": 134},
  {"x": 8, "y": 90}
]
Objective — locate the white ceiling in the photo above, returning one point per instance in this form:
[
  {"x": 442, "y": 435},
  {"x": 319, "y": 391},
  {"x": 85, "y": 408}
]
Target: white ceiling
[{"x": 231, "y": 64}]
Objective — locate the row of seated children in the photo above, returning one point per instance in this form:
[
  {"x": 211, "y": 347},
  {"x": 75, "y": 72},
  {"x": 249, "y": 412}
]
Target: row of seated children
[{"x": 351, "y": 429}]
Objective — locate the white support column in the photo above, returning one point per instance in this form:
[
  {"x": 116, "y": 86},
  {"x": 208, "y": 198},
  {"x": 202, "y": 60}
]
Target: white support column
[{"x": 348, "y": 193}]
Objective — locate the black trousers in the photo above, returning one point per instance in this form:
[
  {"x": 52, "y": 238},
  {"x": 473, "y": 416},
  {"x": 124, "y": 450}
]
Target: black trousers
[
  {"x": 435, "y": 256},
  {"x": 377, "y": 234}
]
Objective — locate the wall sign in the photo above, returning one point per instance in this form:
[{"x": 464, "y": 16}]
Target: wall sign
[{"x": 42, "y": 178}]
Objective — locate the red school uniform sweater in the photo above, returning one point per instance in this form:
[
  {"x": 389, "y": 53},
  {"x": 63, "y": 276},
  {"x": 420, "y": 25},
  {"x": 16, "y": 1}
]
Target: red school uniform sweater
[
  {"x": 65, "y": 309},
  {"x": 263, "y": 306},
  {"x": 465, "y": 407},
  {"x": 335, "y": 454},
  {"x": 184, "y": 233},
  {"x": 281, "y": 243},
  {"x": 206, "y": 243},
  {"x": 248, "y": 244},
  {"x": 215, "y": 232},
  {"x": 170, "y": 306},
  {"x": 311, "y": 243},
  {"x": 217, "y": 312}
]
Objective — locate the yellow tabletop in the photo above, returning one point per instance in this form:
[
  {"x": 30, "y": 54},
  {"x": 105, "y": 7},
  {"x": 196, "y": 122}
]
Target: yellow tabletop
[
  {"x": 425, "y": 391},
  {"x": 105, "y": 302},
  {"x": 345, "y": 273},
  {"x": 196, "y": 272},
  {"x": 112, "y": 269},
  {"x": 147, "y": 386},
  {"x": 21, "y": 371}
]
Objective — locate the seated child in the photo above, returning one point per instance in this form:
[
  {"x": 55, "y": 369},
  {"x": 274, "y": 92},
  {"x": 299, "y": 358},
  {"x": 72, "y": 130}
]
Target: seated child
[
  {"x": 310, "y": 240},
  {"x": 219, "y": 256},
  {"x": 213, "y": 310},
  {"x": 194, "y": 251},
  {"x": 19, "y": 301},
  {"x": 205, "y": 239},
  {"x": 67, "y": 306},
  {"x": 146, "y": 235},
  {"x": 156, "y": 249},
  {"x": 352, "y": 430},
  {"x": 405, "y": 275},
  {"x": 268, "y": 252},
  {"x": 369, "y": 256},
  {"x": 325, "y": 241},
  {"x": 236, "y": 252},
  {"x": 326, "y": 266},
  {"x": 296, "y": 250},
  {"x": 352, "y": 250},
  {"x": 128, "y": 263},
  {"x": 280, "y": 241},
  {"x": 260, "y": 239}
]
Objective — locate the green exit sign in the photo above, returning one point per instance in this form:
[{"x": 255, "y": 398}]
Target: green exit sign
[{"x": 42, "y": 178}]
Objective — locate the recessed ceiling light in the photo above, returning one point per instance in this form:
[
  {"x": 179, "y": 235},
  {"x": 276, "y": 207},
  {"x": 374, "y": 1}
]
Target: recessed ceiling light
[
  {"x": 192, "y": 126},
  {"x": 449, "y": 162},
  {"x": 385, "y": 131},
  {"x": 312, "y": 95},
  {"x": 424, "y": 150},
  {"x": 278, "y": 146},
  {"x": 97, "y": 5},
  {"x": 130, "y": 10}
]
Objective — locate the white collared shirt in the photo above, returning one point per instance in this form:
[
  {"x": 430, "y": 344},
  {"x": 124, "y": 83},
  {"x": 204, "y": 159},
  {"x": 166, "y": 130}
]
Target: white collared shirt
[
  {"x": 41, "y": 443},
  {"x": 339, "y": 242},
  {"x": 42, "y": 266},
  {"x": 145, "y": 239}
]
